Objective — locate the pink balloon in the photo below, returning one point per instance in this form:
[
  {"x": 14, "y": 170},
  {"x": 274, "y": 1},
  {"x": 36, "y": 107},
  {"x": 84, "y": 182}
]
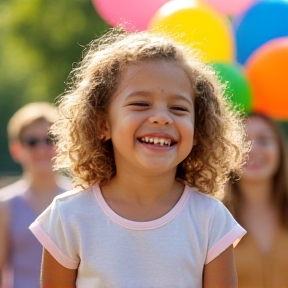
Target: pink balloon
[
  {"x": 132, "y": 14},
  {"x": 230, "y": 7}
]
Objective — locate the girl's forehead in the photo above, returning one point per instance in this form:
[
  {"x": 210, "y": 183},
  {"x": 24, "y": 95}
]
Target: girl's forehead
[
  {"x": 133, "y": 68},
  {"x": 152, "y": 78}
]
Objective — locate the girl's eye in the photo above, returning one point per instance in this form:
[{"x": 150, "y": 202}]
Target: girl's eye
[
  {"x": 180, "y": 108},
  {"x": 141, "y": 104}
]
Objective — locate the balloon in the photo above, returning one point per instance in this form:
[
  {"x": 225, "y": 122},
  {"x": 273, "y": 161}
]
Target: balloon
[
  {"x": 197, "y": 26},
  {"x": 264, "y": 21},
  {"x": 232, "y": 7},
  {"x": 238, "y": 86},
  {"x": 131, "y": 14},
  {"x": 266, "y": 70}
]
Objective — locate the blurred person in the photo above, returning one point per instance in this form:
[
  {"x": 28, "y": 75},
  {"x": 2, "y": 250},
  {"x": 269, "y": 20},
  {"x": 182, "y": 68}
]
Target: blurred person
[
  {"x": 22, "y": 201},
  {"x": 259, "y": 202}
]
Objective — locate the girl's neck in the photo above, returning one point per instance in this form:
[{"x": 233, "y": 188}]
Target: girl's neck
[
  {"x": 141, "y": 198},
  {"x": 144, "y": 189}
]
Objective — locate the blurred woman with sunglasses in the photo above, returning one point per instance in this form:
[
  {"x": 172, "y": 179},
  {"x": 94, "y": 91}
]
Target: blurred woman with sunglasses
[
  {"x": 23, "y": 201},
  {"x": 259, "y": 202}
]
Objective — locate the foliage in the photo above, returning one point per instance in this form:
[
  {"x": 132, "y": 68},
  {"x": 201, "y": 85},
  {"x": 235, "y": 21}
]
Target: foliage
[{"x": 39, "y": 42}]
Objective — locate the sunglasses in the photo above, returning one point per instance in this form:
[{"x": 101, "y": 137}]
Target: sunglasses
[{"x": 34, "y": 142}]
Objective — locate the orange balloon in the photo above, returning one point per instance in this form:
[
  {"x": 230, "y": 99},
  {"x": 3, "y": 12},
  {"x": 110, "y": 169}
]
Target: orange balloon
[
  {"x": 197, "y": 26},
  {"x": 266, "y": 70}
]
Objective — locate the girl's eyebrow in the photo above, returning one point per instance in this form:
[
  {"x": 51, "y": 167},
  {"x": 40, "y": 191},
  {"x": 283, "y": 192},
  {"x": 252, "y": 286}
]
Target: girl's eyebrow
[
  {"x": 138, "y": 93},
  {"x": 173, "y": 96},
  {"x": 181, "y": 97}
]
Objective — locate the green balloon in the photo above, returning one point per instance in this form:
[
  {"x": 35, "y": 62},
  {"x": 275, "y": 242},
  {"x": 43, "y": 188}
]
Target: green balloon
[{"x": 238, "y": 87}]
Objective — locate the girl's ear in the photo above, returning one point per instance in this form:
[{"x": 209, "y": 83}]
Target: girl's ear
[
  {"x": 195, "y": 141},
  {"x": 107, "y": 134}
]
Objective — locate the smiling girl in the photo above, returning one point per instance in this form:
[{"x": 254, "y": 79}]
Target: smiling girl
[{"x": 148, "y": 137}]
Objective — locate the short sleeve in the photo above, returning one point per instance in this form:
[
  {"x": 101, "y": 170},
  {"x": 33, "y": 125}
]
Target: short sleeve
[
  {"x": 223, "y": 232},
  {"x": 51, "y": 231}
]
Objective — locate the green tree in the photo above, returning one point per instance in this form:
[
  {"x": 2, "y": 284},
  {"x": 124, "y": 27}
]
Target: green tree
[{"x": 39, "y": 42}]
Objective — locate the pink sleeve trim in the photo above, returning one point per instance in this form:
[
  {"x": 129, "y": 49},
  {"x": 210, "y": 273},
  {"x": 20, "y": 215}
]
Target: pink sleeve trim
[
  {"x": 50, "y": 246},
  {"x": 232, "y": 237}
]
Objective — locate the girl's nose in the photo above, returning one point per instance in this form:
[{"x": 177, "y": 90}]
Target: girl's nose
[{"x": 160, "y": 118}]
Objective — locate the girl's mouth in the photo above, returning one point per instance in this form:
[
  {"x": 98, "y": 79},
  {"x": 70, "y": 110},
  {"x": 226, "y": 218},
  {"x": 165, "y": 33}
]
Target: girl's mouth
[{"x": 158, "y": 141}]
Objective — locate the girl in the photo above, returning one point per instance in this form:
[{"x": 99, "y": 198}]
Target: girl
[
  {"x": 147, "y": 135},
  {"x": 259, "y": 202}
]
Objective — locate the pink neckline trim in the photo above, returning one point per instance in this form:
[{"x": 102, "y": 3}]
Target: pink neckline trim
[{"x": 140, "y": 225}]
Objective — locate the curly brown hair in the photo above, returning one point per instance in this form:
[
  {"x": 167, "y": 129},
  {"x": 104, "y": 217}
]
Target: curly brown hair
[{"x": 221, "y": 145}]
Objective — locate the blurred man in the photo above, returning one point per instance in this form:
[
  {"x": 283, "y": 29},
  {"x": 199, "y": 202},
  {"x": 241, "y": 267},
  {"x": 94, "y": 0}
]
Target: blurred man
[{"x": 23, "y": 201}]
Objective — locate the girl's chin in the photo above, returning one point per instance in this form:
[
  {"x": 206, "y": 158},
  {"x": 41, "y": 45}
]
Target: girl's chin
[{"x": 158, "y": 167}]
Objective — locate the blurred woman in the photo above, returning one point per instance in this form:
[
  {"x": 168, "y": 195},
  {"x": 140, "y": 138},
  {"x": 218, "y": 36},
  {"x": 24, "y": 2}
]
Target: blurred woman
[{"x": 259, "y": 202}]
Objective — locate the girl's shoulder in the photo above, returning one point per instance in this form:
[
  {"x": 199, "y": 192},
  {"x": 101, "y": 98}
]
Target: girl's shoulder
[
  {"x": 208, "y": 211},
  {"x": 72, "y": 206},
  {"x": 205, "y": 206},
  {"x": 198, "y": 198},
  {"x": 75, "y": 197}
]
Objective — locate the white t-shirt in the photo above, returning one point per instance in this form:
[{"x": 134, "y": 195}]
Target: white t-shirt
[{"x": 81, "y": 231}]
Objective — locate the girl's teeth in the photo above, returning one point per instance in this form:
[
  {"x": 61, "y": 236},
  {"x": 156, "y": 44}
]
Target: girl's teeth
[{"x": 157, "y": 141}]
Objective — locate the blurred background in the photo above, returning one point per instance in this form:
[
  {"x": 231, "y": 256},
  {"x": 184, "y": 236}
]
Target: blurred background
[
  {"x": 245, "y": 40},
  {"x": 39, "y": 42}
]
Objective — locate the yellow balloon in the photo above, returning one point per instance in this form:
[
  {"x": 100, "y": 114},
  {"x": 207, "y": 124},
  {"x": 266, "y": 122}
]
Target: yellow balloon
[{"x": 198, "y": 26}]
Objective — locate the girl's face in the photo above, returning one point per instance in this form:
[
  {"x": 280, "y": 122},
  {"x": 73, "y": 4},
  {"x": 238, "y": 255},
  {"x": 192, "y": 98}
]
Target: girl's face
[
  {"x": 264, "y": 156},
  {"x": 151, "y": 117}
]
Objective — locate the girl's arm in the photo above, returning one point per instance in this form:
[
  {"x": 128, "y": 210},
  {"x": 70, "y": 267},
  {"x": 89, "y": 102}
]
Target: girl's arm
[
  {"x": 221, "y": 272},
  {"x": 54, "y": 275}
]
